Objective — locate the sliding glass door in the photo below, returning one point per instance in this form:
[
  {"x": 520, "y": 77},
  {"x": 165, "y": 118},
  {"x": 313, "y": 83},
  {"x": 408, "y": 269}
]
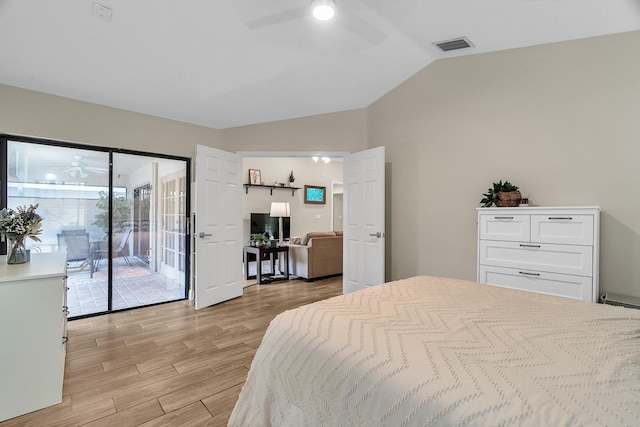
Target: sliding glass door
[
  {"x": 148, "y": 230},
  {"x": 67, "y": 184},
  {"x": 121, "y": 218}
]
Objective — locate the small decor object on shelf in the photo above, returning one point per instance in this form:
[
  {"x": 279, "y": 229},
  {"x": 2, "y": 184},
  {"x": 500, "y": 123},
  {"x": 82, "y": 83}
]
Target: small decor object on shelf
[
  {"x": 502, "y": 195},
  {"x": 291, "y": 179},
  {"x": 255, "y": 177},
  {"x": 15, "y": 226},
  {"x": 524, "y": 202}
]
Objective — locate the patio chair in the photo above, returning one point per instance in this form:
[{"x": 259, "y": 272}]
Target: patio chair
[
  {"x": 76, "y": 244},
  {"x": 122, "y": 247},
  {"x": 119, "y": 251}
]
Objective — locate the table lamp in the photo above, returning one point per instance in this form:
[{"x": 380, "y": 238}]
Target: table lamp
[{"x": 280, "y": 210}]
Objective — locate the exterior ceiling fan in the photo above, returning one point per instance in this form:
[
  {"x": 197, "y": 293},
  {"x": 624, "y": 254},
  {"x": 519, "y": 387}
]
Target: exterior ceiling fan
[
  {"x": 80, "y": 169},
  {"x": 323, "y": 10}
]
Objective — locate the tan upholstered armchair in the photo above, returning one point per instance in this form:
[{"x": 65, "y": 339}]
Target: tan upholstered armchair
[{"x": 316, "y": 254}]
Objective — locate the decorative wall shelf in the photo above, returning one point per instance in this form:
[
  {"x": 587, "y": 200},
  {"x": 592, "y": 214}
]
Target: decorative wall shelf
[{"x": 271, "y": 187}]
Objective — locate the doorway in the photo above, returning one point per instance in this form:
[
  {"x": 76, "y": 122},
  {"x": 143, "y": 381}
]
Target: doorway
[{"x": 337, "y": 205}]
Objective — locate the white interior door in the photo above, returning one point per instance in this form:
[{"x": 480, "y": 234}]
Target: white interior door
[
  {"x": 218, "y": 226},
  {"x": 363, "y": 252}
]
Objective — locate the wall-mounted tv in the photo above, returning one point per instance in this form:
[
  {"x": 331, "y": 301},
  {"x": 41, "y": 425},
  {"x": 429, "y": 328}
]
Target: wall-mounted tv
[{"x": 264, "y": 223}]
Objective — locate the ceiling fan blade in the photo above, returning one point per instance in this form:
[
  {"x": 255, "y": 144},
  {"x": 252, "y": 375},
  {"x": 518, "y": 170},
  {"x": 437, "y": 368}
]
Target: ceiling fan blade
[
  {"x": 362, "y": 28},
  {"x": 76, "y": 173},
  {"x": 96, "y": 170},
  {"x": 278, "y": 18}
]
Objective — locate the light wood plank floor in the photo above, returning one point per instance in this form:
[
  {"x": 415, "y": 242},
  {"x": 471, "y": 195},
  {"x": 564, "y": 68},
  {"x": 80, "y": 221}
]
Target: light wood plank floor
[{"x": 168, "y": 364}]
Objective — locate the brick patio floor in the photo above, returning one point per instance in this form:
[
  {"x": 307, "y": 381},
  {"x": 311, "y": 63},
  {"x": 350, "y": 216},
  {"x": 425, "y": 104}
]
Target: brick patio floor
[{"x": 133, "y": 286}]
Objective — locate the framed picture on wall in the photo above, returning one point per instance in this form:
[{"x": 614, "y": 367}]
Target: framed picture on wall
[
  {"x": 315, "y": 195},
  {"x": 255, "y": 177}
]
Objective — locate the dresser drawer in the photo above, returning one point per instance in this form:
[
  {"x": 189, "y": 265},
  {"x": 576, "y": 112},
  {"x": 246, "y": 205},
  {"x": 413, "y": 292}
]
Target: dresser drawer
[
  {"x": 505, "y": 227},
  {"x": 563, "y": 259},
  {"x": 576, "y": 287},
  {"x": 563, "y": 229}
]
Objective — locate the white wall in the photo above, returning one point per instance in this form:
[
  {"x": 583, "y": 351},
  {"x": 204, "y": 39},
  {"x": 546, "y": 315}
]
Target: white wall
[{"x": 304, "y": 217}]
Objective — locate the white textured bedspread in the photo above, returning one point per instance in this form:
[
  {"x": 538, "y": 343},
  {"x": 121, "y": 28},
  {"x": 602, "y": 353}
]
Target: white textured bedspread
[{"x": 433, "y": 351}]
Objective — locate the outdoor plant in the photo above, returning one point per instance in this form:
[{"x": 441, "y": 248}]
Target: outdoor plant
[
  {"x": 493, "y": 197},
  {"x": 121, "y": 213}
]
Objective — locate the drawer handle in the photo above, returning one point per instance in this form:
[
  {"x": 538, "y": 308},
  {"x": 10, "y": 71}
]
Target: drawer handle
[
  {"x": 560, "y": 218},
  {"x": 64, "y": 340},
  {"x": 503, "y": 217},
  {"x": 529, "y": 274},
  {"x": 529, "y": 246}
]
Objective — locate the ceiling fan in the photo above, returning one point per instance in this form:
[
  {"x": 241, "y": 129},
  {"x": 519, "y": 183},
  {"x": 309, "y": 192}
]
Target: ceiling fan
[
  {"x": 79, "y": 169},
  {"x": 323, "y": 10}
]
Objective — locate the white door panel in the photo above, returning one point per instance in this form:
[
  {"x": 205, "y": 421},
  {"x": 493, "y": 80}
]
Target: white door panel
[
  {"x": 364, "y": 247},
  {"x": 218, "y": 228}
]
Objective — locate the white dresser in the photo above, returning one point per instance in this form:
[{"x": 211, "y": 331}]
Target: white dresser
[
  {"x": 33, "y": 325},
  {"x": 549, "y": 250}
]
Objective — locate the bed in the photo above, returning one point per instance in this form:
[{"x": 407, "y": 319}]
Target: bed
[{"x": 436, "y": 351}]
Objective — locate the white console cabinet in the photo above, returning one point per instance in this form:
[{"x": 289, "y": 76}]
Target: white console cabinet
[
  {"x": 549, "y": 250},
  {"x": 33, "y": 321}
]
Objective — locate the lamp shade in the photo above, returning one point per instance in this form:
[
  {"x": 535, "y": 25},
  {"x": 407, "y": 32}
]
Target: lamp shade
[{"x": 280, "y": 209}]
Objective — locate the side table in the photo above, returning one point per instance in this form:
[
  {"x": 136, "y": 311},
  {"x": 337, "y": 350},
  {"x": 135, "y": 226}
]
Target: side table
[{"x": 259, "y": 251}]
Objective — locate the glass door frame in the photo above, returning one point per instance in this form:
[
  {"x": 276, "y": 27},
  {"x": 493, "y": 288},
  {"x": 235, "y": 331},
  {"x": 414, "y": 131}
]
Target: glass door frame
[{"x": 4, "y": 143}]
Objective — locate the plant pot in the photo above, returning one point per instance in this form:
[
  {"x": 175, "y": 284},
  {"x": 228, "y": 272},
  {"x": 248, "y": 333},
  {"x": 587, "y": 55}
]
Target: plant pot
[{"x": 508, "y": 199}]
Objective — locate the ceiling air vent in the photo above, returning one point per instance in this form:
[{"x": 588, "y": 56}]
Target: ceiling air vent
[{"x": 455, "y": 44}]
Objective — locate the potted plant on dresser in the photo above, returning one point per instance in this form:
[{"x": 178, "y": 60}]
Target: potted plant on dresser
[{"x": 502, "y": 194}]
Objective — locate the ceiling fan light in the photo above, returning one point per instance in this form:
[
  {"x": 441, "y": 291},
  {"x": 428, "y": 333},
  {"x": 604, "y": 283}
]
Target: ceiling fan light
[{"x": 323, "y": 10}]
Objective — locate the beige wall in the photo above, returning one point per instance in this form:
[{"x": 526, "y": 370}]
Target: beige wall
[
  {"x": 35, "y": 114},
  {"x": 28, "y": 113},
  {"x": 345, "y": 131},
  {"x": 562, "y": 121}
]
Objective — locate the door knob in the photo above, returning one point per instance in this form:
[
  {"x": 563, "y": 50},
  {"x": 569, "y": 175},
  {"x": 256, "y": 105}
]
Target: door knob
[{"x": 202, "y": 235}]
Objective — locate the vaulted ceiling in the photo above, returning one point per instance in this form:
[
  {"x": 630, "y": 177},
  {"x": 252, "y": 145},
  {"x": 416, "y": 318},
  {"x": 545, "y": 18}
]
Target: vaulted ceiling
[{"x": 226, "y": 63}]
